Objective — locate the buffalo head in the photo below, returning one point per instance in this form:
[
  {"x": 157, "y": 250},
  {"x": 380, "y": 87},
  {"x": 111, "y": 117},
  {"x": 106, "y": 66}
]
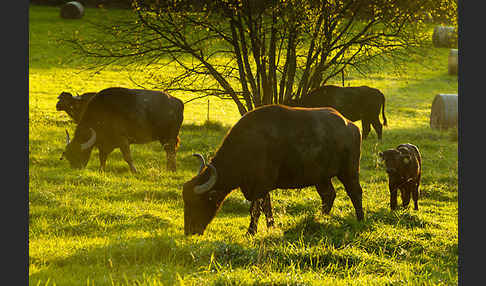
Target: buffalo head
[
  {"x": 66, "y": 101},
  {"x": 73, "y": 105},
  {"x": 395, "y": 160},
  {"x": 201, "y": 200},
  {"x": 78, "y": 150}
]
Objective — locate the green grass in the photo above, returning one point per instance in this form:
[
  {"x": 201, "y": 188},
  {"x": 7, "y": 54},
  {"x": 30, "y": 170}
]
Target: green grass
[{"x": 116, "y": 228}]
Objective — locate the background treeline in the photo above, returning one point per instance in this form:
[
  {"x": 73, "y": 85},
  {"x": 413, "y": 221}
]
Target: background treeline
[{"x": 198, "y": 5}]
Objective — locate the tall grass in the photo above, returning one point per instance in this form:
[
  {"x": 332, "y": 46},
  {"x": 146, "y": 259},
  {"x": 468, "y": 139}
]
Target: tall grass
[{"x": 116, "y": 228}]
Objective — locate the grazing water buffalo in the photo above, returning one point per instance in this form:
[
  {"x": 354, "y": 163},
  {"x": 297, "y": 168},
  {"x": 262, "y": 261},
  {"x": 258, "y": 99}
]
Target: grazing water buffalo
[
  {"x": 355, "y": 103},
  {"x": 74, "y": 105},
  {"x": 404, "y": 168},
  {"x": 117, "y": 117},
  {"x": 276, "y": 146}
]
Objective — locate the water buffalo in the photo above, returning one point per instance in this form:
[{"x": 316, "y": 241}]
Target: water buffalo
[
  {"x": 355, "y": 103},
  {"x": 404, "y": 168},
  {"x": 277, "y": 146},
  {"x": 73, "y": 105},
  {"x": 117, "y": 117}
]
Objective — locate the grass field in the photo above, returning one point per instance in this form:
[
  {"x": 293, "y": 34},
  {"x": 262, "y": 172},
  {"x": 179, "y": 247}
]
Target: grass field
[{"x": 116, "y": 228}]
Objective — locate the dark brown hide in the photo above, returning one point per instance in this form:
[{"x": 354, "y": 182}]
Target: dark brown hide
[
  {"x": 355, "y": 103},
  {"x": 74, "y": 106},
  {"x": 404, "y": 169},
  {"x": 276, "y": 146},
  {"x": 120, "y": 117}
]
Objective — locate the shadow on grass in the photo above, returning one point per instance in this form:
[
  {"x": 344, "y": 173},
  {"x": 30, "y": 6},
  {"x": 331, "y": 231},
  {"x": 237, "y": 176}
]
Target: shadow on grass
[
  {"x": 439, "y": 195},
  {"x": 406, "y": 218},
  {"x": 315, "y": 228},
  {"x": 74, "y": 221},
  {"x": 116, "y": 257},
  {"x": 147, "y": 195},
  {"x": 191, "y": 255},
  {"x": 181, "y": 254}
]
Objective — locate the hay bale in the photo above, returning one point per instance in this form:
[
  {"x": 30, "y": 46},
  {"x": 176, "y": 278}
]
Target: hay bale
[
  {"x": 444, "y": 111},
  {"x": 444, "y": 37},
  {"x": 453, "y": 62},
  {"x": 72, "y": 10}
]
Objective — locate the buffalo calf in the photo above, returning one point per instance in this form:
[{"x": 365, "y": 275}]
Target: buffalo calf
[{"x": 404, "y": 168}]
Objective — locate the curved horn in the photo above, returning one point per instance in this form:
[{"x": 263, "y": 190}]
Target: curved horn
[
  {"x": 201, "y": 189},
  {"x": 67, "y": 137},
  {"x": 90, "y": 142},
  {"x": 203, "y": 163}
]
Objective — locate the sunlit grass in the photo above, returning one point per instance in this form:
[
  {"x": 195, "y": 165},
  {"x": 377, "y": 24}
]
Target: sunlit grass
[{"x": 116, "y": 228}]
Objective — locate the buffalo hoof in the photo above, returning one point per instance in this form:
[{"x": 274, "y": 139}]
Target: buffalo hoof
[
  {"x": 251, "y": 231},
  {"x": 171, "y": 166},
  {"x": 270, "y": 222},
  {"x": 326, "y": 210}
]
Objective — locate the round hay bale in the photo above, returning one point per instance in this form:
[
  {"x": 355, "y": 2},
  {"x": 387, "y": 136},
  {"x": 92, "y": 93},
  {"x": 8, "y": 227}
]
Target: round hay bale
[
  {"x": 444, "y": 111},
  {"x": 444, "y": 37},
  {"x": 453, "y": 62},
  {"x": 72, "y": 10}
]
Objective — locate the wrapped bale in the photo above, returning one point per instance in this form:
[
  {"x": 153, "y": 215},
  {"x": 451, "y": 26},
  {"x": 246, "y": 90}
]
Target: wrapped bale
[
  {"x": 72, "y": 10},
  {"x": 444, "y": 37},
  {"x": 444, "y": 111},
  {"x": 453, "y": 62}
]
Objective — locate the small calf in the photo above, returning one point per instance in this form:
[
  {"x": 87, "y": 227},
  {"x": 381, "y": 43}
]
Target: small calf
[
  {"x": 73, "y": 105},
  {"x": 404, "y": 168}
]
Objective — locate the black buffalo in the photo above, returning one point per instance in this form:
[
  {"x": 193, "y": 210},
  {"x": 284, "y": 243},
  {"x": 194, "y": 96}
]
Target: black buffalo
[
  {"x": 277, "y": 146},
  {"x": 404, "y": 169},
  {"x": 74, "y": 106},
  {"x": 355, "y": 103},
  {"x": 117, "y": 117}
]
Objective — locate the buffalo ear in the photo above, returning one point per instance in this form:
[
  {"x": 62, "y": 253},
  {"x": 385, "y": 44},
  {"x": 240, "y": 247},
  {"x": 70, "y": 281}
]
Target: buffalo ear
[{"x": 381, "y": 155}]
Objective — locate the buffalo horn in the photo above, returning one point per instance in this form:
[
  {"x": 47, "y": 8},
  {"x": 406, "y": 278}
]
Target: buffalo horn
[
  {"x": 203, "y": 163},
  {"x": 67, "y": 136},
  {"x": 201, "y": 189},
  {"x": 90, "y": 142}
]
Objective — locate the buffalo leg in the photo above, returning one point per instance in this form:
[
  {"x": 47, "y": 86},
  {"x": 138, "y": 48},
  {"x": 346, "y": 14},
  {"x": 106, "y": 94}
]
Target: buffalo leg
[
  {"x": 103, "y": 155},
  {"x": 267, "y": 210},
  {"x": 328, "y": 194},
  {"x": 378, "y": 127},
  {"x": 355, "y": 193},
  {"x": 170, "y": 151},
  {"x": 125, "y": 149},
  {"x": 393, "y": 197},
  {"x": 405, "y": 193},
  {"x": 256, "y": 208},
  {"x": 255, "y": 212},
  {"x": 366, "y": 128},
  {"x": 415, "y": 195}
]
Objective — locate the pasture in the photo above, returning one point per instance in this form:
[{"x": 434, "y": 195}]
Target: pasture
[{"x": 119, "y": 228}]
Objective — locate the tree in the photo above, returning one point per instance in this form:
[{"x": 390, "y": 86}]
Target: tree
[{"x": 261, "y": 52}]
